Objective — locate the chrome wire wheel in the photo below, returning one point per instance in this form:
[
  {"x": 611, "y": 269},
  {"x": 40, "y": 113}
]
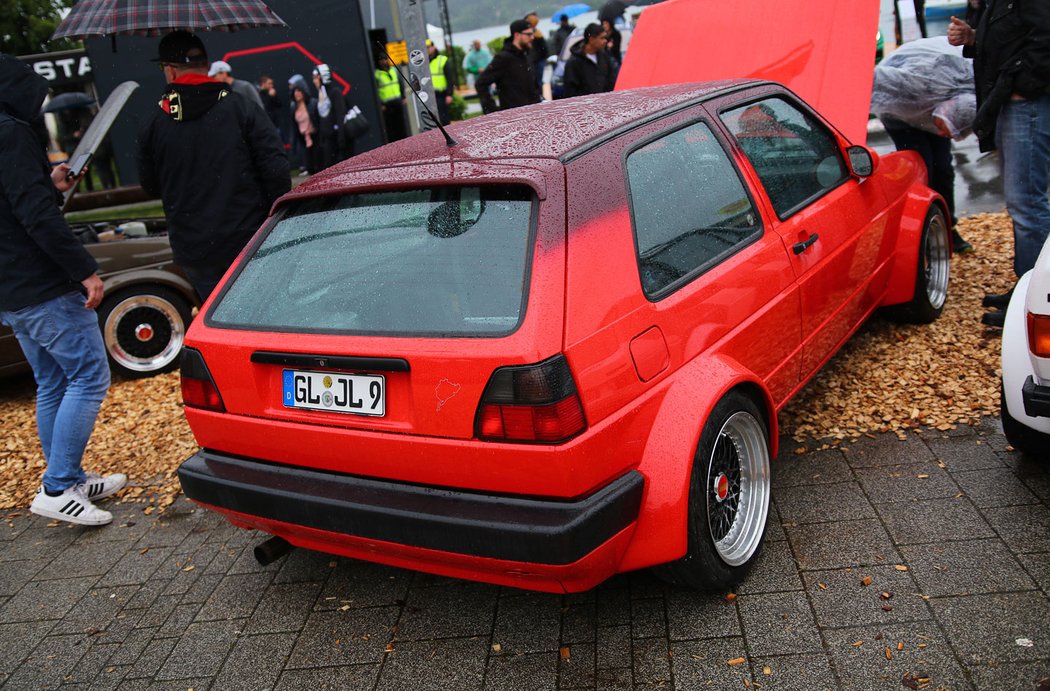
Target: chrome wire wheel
[
  {"x": 936, "y": 260},
  {"x": 738, "y": 489}
]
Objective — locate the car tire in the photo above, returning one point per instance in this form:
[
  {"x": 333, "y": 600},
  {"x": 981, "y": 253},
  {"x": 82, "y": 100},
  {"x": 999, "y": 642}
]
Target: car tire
[
  {"x": 143, "y": 328},
  {"x": 729, "y": 497},
  {"x": 1030, "y": 442},
  {"x": 931, "y": 280}
]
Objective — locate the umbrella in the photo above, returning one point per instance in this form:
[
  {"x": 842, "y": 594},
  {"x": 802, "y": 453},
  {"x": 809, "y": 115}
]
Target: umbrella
[
  {"x": 151, "y": 18},
  {"x": 570, "y": 11},
  {"x": 69, "y": 101}
]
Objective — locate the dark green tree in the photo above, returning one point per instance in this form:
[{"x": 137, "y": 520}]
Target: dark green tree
[{"x": 26, "y": 26}]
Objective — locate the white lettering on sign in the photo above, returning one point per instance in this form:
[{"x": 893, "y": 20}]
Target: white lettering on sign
[{"x": 64, "y": 68}]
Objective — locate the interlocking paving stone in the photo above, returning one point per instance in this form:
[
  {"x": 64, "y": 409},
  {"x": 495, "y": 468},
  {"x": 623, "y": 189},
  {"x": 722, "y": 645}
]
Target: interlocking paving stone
[
  {"x": 793, "y": 672},
  {"x": 841, "y": 545},
  {"x": 840, "y": 597},
  {"x": 705, "y": 664},
  {"x": 329, "y": 678},
  {"x": 613, "y": 646},
  {"x": 255, "y": 662},
  {"x": 1012, "y": 676},
  {"x": 131, "y": 647},
  {"x": 860, "y": 657},
  {"x": 15, "y": 574},
  {"x": 648, "y": 618},
  {"x": 304, "y": 565},
  {"x": 912, "y": 482},
  {"x": 994, "y": 488},
  {"x": 1023, "y": 528},
  {"x": 987, "y": 628},
  {"x": 45, "y": 599},
  {"x": 774, "y": 571},
  {"x": 361, "y": 584},
  {"x": 93, "y": 559},
  {"x": 136, "y": 566},
  {"x": 813, "y": 468},
  {"x": 90, "y": 664},
  {"x": 1038, "y": 565},
  {"x": 171, "y": 530},
  {"x": 95, "y": 610},
  {"x": 961, "y": 568},
  {"x": 38, "y": 541},
  {"x": 515, "y": 672},
  {"x": 778, "y": 624},
  {"x": 887, "y": 449},
  {"x": 651, "y": 660},
  {"x": 578, "y": 621},
  {"x": 935, "y": 520},
  {"x": 614, "y": 679},
  {"x": 528, "y": 623},
  {"x": 201, "y": 651},
  {"x": 808, "y": 503},
  {"x": 236, "y": 597},
  {"x": 180, "y": 620},
  {"x": 451, "y": 663},
  {"x": 342, "y": 638},
  {"x": 284, "y": 607},
  {"x": 458, "y": 609},
  {"x": 701, "y": 615},
  {"x": 962, "y": 454},
  {"x": 152, "y": 658},
  {"x": 49, "y": 663},
  {"x": 613, "y": 603},
  {"x": 774, "y": 528},
  {"x": 576, "y": 666},
  {"x": 23, "y": 637}
]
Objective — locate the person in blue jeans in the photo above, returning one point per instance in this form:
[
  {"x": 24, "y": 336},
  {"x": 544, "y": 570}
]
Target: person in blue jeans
[
  {"x": 49, "y": 289},
  {"x": 1009, "y": 41}
]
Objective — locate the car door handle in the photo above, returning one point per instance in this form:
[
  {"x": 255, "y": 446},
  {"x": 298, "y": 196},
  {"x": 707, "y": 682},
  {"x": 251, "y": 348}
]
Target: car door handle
[{"x": 800, "y": 247}]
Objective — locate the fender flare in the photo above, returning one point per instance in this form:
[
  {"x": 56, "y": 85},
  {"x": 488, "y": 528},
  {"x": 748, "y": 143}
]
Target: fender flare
[
  {"x": 903, "y": 274},
  {"x": 667, "y": 460},
  {"x": 151, "y": 277}
]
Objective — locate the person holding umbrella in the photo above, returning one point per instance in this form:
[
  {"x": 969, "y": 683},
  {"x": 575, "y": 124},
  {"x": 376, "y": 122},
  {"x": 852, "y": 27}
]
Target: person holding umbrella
[{"x": 216, "y": 162}]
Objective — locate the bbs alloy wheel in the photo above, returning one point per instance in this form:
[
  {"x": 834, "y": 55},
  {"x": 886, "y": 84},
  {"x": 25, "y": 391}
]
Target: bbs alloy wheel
[{"x": 143, "y": 329}]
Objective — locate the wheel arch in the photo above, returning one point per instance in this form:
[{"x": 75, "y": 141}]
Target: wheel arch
[
  {"x": 902, "y": 279},
  {"x": 147, "y": 277},
  {"x": 667, "y": 461}
]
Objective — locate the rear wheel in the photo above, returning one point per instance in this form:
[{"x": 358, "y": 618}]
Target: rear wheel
[
  {"x": 143, "y": 329},
  {"x": 729, "y": 498},
  {"x": 1028, "y": 441},
  {"x": 931, "y": 281}
]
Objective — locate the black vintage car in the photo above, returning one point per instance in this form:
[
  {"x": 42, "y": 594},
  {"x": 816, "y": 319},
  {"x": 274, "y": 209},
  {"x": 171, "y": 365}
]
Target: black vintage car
[{"x": 148, "y": 302}]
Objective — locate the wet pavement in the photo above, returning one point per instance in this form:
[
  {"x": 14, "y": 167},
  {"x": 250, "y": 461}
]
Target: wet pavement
[{"x": 952, "y": 529}]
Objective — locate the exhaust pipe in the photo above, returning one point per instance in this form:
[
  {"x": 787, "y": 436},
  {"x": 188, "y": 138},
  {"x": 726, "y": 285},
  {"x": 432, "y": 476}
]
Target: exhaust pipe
[{"x": 273, "y": 549}]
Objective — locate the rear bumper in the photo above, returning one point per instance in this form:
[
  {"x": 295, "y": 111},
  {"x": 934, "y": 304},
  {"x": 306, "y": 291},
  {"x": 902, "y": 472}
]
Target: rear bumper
[
  {"x": 1036, "y": 398},
  {"x": 501, "y": 528}
]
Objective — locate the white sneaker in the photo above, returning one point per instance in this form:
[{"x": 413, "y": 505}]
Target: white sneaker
[
  {"x": 72, "y": 505},
  {"x": 97, "y": 487}
]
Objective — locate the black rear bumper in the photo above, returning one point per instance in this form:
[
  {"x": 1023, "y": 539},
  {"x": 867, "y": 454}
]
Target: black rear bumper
[
  {"x": 539, "y": 531},
  {"x": 1036, "y": 398}
]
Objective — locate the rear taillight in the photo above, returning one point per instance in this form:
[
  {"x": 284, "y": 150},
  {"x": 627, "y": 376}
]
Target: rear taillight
[
  {"x": 535, "y": 403},
  {"x": 1039, "y": 334},
  {"x": 198, "y": 388}
]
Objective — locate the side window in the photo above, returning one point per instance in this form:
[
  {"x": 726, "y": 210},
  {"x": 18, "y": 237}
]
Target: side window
[
  {"x": 795, "y": 156},
  {"x": 689, "y": 206}
]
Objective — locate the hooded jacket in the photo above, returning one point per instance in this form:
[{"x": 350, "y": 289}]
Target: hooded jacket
[
  {"x": 217, "y": 164},
  {"x": 1011, "y": 55},
  {"x": 40, "y": 258},
  {"x": 511, "y": 72},
  {"x": 584, "y": 76}
]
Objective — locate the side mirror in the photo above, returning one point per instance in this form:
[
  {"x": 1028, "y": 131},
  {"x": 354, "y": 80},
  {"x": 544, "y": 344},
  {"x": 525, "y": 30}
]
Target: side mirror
[{"x": 862, "y": 160}]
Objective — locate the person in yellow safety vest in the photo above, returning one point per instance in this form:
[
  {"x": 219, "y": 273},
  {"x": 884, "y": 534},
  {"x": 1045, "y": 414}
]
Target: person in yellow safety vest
[
  {"x": 391, "y": 99},
  {"x": 443, "y": 77}
]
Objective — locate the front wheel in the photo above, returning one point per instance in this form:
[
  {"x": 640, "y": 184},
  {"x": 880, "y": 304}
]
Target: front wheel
[
  {"x": 729, "y": 498},
  {"x": 143, "y": 328},
  {"x": 931, "y": 280}
]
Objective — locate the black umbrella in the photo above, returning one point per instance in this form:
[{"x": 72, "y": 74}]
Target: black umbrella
[
  {"x": 151, "y": 18},
  {"x": 69, "y": 101}
]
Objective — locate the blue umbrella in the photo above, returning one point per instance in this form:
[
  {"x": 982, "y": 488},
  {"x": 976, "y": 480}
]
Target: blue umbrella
[{"x": 570, "y": 11}]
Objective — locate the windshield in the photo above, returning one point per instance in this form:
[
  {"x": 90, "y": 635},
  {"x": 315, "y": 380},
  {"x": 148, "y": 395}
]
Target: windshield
[{"x": 412, "y": 262}]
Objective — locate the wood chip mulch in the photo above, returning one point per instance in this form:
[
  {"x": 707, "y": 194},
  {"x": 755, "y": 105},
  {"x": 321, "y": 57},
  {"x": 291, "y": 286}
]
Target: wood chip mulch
[{"x": 887, "y": 378}]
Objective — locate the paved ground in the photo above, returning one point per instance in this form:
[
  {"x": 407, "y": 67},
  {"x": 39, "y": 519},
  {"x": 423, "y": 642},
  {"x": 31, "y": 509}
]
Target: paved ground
[{"x": 952, "y": 529}]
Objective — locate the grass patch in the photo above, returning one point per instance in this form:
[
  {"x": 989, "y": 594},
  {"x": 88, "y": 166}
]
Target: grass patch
[{"x": 150, "y": 209}]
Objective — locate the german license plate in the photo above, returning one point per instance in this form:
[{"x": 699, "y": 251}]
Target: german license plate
[{"x": 357, "y": 394}]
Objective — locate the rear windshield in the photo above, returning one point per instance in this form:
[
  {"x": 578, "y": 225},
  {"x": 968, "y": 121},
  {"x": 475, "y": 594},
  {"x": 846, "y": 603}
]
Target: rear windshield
[{"x": 413, "y": 262}]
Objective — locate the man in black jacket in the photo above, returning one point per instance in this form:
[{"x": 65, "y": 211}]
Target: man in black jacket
[
  {"x": 589, "y": 69},
  {"x": 216, "y": 163},
  {"x": 511, "y": 72},
  {"x": 1009, "y": 41},
  {"x": 49, "y": 290}
]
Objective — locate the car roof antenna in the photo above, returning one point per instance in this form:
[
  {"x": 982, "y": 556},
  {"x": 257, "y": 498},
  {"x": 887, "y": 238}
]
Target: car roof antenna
[{"x": 413, "y": 84}]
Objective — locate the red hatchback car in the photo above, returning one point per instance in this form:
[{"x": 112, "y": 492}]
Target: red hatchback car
[{"x": 555, "y": 349}]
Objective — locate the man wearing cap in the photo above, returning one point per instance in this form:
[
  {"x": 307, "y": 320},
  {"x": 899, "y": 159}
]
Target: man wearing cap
[
  {"x": 511, "y": 72},
  {"x": 221, "y": 71},
  {"x": 589, "y": 69},
  {"x": 215, "y": 161},
  {"x": 441, "y": 74}
]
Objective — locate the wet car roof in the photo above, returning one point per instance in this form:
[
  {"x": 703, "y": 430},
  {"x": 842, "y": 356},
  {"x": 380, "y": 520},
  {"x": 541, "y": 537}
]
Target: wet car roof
[{"x": 552, "y": 130}]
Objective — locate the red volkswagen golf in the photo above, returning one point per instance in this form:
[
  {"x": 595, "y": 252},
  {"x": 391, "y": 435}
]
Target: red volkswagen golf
[{"x": 555, "y": 349}]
